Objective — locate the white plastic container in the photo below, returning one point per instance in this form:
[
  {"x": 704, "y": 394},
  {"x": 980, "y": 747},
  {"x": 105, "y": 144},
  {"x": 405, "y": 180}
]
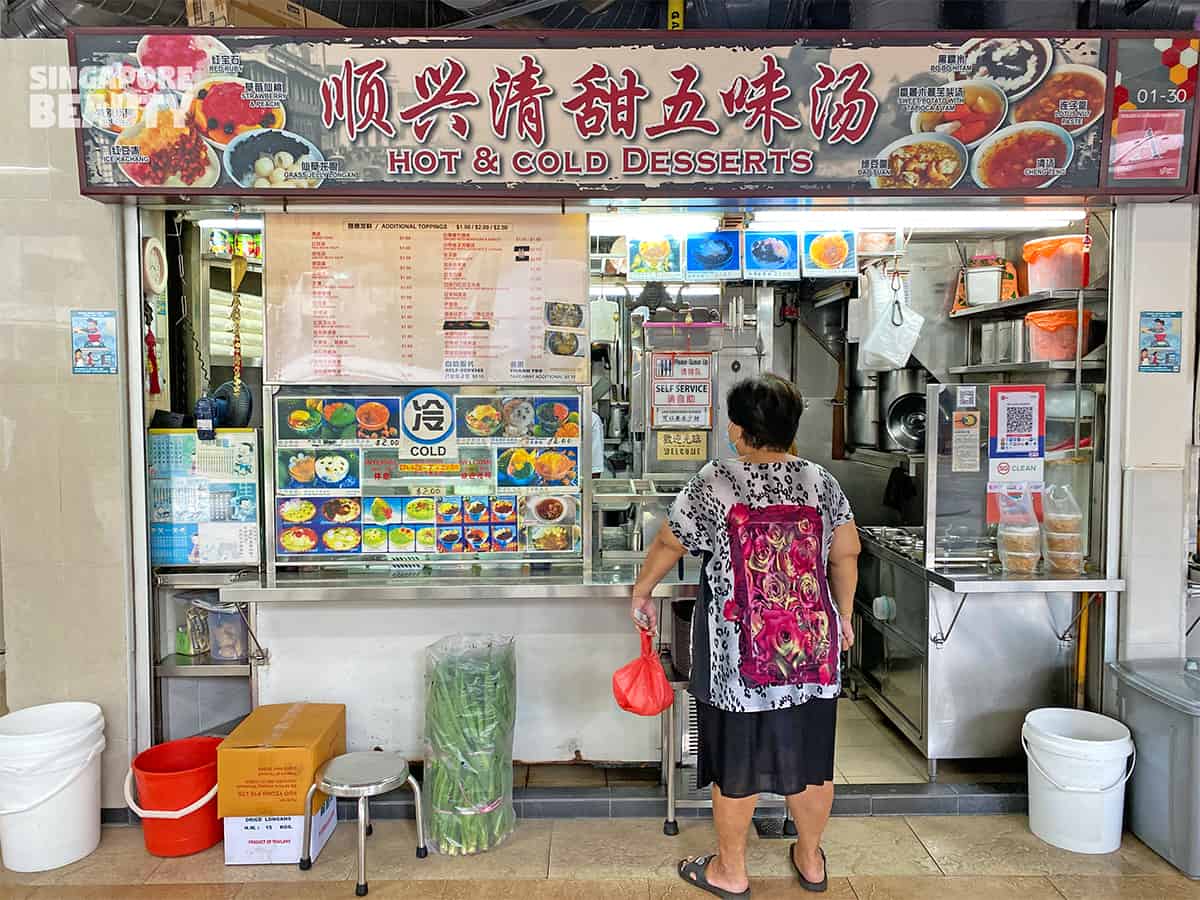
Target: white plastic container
[
  {"x": 50, "y": 785},
  {"x": 983, "y": 285},
  {"x": 1055, "y": 263},
  {"x": 1079, "y": 763}
]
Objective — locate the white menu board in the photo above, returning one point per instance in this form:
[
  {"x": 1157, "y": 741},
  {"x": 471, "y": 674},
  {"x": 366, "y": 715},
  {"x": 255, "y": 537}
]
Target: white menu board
[{"x": 371, "y": 299}]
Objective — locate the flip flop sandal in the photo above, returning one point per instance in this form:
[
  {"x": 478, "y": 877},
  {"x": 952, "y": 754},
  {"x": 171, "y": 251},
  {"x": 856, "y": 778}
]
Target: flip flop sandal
[
  {"x": 815, "y": 887},
  {"x": 695, "y": 873}
]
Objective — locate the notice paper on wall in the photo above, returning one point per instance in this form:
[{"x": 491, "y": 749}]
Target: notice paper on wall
[{"x": 965, "y": 444}]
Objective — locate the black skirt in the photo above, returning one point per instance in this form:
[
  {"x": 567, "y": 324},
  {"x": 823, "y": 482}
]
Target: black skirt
[{"x": 780, "y": 751}]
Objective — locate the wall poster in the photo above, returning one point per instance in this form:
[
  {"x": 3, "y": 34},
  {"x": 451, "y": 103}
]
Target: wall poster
[
  {"x": 94, "y": 342},
  {"x": 384, "y": 299},
  {"x": 1160, "y": 342},
  {"x": 203, "y": 497}
]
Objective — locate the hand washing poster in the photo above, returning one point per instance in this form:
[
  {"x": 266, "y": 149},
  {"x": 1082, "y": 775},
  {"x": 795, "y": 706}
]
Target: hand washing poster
[
  {"x": 94, "y": 342},
  {"x": 1160, "y": 342}
]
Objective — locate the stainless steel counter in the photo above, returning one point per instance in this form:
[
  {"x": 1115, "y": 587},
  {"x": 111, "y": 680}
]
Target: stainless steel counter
[
  {"x": 602, "y": 583},
  {"x": 983, "y": 579},
  {"x": 956, "y": 656}
]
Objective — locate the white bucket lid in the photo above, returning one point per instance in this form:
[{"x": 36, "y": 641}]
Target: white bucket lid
[
  {"x": 49, "y": 721},
  {"x": 1079, "y": 734}
]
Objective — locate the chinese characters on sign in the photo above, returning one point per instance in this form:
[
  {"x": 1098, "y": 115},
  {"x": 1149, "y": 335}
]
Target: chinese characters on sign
[
  {"x": 681, "y": 446},
  {"x": 579, "y": 113},
  {"x": 681, "y": 386},
  {"x": 505, "y": 302}
]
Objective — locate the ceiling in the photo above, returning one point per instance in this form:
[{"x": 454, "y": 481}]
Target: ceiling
[{"x": 51, "y": 18}]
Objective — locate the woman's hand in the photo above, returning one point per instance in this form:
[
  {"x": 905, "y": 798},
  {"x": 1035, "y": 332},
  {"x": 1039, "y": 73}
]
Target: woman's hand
[
  {"x": 847, "y": 633},
  {"x": 644, "y": 612}
]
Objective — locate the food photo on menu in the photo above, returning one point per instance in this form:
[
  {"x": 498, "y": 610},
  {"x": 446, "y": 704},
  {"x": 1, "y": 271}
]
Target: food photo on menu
[
  {"x": 1014, "y": 114},
  {"x": 337, "y": 419},
  {"x": 512, "y": 418},
  {"x": 311, "y": 469}
]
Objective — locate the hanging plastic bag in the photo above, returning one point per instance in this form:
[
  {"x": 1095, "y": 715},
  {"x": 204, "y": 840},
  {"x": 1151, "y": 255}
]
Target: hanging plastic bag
[
  {"x": 1064, "y": 530},
  {"x": 642, "y": 687},
  {"x": 1019, "y": 535},
  {"x": 894, "y": 332}
]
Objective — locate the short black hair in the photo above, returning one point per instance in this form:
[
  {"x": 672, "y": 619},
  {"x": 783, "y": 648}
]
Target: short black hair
[{"x": 767, "y": 409}]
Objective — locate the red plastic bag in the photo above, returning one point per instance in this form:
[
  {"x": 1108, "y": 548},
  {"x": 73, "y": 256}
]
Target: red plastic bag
[{"x": 642, "y": 687}]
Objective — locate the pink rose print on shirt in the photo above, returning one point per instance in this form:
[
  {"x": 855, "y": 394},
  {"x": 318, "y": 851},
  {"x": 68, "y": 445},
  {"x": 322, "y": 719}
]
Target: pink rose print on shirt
[{"x": 781, "y": 605}]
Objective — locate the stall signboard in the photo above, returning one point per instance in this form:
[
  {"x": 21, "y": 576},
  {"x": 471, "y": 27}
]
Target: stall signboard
[
  {"x": 1016, "y": 444},
  {"x": 438, "y": 471},
  {"x": 681, "y": 390},
  {"x": 385, "y": 299},
  {"x": 203, "y": 497},
  {"x": 439, "y": 114}
]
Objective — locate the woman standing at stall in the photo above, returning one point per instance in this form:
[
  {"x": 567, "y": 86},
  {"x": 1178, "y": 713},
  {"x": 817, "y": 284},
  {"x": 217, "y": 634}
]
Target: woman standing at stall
[{"x": 776, "y": 593}]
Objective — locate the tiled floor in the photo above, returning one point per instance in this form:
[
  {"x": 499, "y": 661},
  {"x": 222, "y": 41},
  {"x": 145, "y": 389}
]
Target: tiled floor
[
  {"x": 870, "y": 750},
  {"x": 956, "y": 858}
]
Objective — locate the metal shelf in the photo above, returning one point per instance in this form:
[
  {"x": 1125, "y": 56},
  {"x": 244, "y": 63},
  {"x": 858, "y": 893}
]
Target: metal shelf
[
  {"x": 177, "y": 666},
  {"x": 886, "y": 459},
  {"x": 1066, "y": 365},
  {"x": 200, "y": 578},
  {"x": 1041, "y": 300}
]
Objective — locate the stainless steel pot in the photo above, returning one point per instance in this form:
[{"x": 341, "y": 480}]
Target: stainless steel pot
[
  {"x": 862, "y": 417},
  {"x": 855, "y": 377},
  {"x": 901, "y": 406}
]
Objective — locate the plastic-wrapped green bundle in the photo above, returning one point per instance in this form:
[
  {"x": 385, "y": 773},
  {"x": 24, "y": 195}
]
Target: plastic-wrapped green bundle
[{"x": 470, "y": 710}]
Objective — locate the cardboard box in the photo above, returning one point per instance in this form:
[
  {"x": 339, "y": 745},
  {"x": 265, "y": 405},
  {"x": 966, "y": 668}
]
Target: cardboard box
[
  {"x": 274, "y": 840},
  {"x": 267, "y": 765},
  {"x": 254, "y": 14}
]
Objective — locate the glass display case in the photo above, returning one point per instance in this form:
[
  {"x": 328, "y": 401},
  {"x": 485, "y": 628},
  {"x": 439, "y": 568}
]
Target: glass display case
[
  {"x": 431, "y": 475},
  {"x": 999, "y": 452}
]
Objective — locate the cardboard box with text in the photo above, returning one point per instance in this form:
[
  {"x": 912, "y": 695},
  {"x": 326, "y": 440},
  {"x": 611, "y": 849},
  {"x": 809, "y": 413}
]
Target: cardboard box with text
[{"x": 266, "y": 766}]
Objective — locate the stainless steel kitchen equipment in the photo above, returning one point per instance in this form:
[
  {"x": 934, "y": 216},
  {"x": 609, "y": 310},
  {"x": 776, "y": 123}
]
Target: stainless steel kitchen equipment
[
  {"x": 901, "y": 398},
  {"x": 862, "y": 403},
  {"x": 950, "y": 649}
]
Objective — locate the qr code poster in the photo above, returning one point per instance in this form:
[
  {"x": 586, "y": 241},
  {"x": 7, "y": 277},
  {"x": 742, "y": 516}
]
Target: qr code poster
[{"x": 1017, "y": 422}]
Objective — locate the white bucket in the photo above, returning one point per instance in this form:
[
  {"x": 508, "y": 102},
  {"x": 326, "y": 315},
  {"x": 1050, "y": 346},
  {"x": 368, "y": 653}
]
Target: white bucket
[
  {"x": 1077, "y": 774},
  {"x": 50, "y": 785}
]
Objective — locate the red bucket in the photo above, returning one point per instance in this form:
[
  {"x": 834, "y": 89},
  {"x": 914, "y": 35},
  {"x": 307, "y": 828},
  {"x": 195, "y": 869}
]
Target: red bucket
[{"x": 177, "y": 786}]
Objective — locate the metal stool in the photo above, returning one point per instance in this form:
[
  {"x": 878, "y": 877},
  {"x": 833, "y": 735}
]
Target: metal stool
[{"x": 359, "y": 776}]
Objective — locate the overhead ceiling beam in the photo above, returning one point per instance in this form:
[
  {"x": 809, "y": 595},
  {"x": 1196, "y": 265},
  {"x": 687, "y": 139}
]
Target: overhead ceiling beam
[{"x": 503, "y": 14}]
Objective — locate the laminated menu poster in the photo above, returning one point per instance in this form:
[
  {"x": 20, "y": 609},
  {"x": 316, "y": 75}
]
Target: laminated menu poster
[
  {"x": 444, "y": 472},
  {"x": 203, "y": 497},
  {"x": 462, "y": 299}
]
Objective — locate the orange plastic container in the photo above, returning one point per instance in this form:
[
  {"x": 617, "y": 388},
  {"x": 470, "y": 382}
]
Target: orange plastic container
[
  {"x": 1052, "y": 334},
  {"x": 1056, "y": 263},
  {"x": 172, "y": 777}
]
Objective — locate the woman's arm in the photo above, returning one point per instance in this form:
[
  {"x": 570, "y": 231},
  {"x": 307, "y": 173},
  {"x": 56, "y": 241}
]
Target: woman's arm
[
  {"x": 843, "y": 576},
  {"x": 663, "y": 554}
]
